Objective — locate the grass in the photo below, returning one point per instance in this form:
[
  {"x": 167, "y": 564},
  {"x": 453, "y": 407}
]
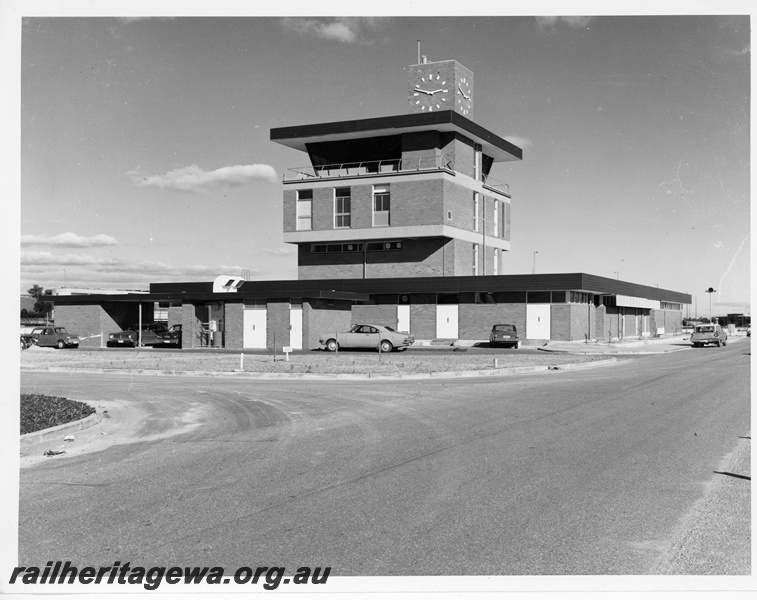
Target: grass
[{"x": 40, "y": 412}]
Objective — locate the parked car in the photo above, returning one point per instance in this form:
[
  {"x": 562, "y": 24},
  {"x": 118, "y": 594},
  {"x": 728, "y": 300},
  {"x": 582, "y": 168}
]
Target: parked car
[
  {"x": 709, "y": 333},
  {"x": 151, "y": 334},
  {"x": 172, "y": 337},
  {"x": 367, "y": 335},
  {"x": 504, "y": 334},
  {"x": 749, "y": 332},
  {"x": 55, "y": 337}
]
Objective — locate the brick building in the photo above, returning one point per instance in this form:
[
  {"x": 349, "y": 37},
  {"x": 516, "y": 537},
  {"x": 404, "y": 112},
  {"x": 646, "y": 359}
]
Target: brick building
[{"x": 397, "y": 221}]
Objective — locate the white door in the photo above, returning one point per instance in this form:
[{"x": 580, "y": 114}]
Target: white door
[
  {"x": 295, "y": 326},
  {"x": 254, "y": 326},
  {"x": 537, "y": 321},
  {"x": 446, "y": 321},
  {"x": 403, "y": 317}
]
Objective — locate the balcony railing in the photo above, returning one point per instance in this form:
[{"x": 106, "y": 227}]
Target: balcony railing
[
  {"x": 496, "y": 185},
  {"x": 385, "y": 167},
  {"x": 371, "y": 168}
]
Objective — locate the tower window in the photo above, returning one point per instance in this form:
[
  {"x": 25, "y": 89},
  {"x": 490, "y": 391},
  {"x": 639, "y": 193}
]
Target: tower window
[
  {"x": 304, "y": 210},
  {"x": 380, "y": 206},
  {"x": 342, "y": 202}
]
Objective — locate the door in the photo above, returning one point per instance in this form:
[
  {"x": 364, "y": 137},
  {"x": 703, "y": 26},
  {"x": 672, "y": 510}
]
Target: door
[
  {"x": 538, "y": 321},
  {"x": 295, "y": 326},
  {"x": 254, "y": 326},
  {"x": 446, "y": 321},
  {"x": 403, "y": 317}
]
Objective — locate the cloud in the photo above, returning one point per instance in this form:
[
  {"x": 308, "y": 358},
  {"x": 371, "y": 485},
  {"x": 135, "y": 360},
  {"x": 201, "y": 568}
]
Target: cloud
[
  {"x": 519, "y": 140},
  {"x": 68, "y": 239},
  {"x": 195, "y": 179},
  {"x": 340, "y": 29},
  {"x": 279, "y": 252},
  {"x": 84, "y": 270},
  {"x": 550, "y": 24}
]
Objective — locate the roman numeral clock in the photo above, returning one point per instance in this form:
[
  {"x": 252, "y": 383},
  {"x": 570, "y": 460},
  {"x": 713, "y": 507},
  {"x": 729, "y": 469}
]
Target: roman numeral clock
[{"x": 443, "y": 85}]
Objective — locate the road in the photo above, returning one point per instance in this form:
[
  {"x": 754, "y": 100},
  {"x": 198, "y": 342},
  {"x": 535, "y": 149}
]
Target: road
[{"x": 560, "y": 473}]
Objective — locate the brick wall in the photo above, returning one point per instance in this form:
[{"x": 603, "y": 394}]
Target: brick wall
[
  {"x": 277, "y": 326},
  {"x": 378, "y": 314},
  {"x": 290, "y": 209},
  {"x": 423, "y": 316},
  {"x": 418, "y": 258},
  {"x": 234, "y": 338},
  {"x": 87, "y": 321},
  {"x": 318, "y": 316},
  {"x": 475, "y": 321},
  {"x": 174, "y": 315}
]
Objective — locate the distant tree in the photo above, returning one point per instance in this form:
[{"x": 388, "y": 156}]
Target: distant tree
[{"x": 40, "y": 308}]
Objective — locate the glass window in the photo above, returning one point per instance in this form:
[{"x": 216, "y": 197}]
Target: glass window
[
  {"x": 495, "y": 228},
  {"x": 539, "y": 297},
  {"x": 380, "y": 206},
  {"x": 495, "y": 270},
  {"x": 304, "y": 210},
  {"x": 475, "y": 211},
  {"x": 475, "y": 259},
  {"x": 342, "y": 203}
]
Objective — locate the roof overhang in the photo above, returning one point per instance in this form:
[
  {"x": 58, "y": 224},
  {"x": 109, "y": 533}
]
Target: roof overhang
[{"x": 444, "y": 120}]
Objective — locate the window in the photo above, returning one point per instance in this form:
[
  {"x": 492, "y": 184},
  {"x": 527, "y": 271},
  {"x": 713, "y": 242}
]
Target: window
[
  {"x": 506, "y": 220},
  {"x": 495, "y": 270},
  {"x": 475, "y": 211},
  {"x": 475, "y": 259},
  {"x": 304, "y": 210},
  {"x": 341, "y": 207},
  {"x": 380, "y": 206},
  {"x": 496, "y": 219},
  {"x": 335, "y": 248}
]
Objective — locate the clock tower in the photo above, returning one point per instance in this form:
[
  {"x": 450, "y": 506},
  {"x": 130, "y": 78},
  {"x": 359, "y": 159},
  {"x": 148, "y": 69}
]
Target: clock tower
[{"x": 441, "y": 85}]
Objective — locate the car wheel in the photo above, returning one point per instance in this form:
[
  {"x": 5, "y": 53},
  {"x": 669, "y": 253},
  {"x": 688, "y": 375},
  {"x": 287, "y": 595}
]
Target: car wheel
[
  {"x": 717, "y": 343},
  {"x": 516, "y": 345},
  {"x": 724, "y": 342},
  {"x": 60, "y": 345},
  {"x": 332, "y": 346},
  {"x": 386, "y": 346}
]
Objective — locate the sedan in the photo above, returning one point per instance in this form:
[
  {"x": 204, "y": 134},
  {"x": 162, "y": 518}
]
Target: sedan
[
  {"x": 55, "y": 337},
  {"x": 367, "y": 335},
  {"x": 172, "y": 337},
  {"x": 151, "y": 335}
]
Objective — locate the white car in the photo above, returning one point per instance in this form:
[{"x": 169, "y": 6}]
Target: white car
[{"x": 366, "y": 335}]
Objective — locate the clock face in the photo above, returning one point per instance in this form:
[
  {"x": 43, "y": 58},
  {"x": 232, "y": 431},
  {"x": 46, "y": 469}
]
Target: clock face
[
  {"x": 432, "y": 91},
  {"x": 464, "y": 94}
]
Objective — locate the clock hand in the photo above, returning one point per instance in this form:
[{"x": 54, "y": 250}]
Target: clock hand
[
  {"x": 463, "y": 93},
  {"x": 417, "y": 89}
]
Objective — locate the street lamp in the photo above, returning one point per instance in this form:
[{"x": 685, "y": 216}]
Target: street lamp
[
  {"x": 534, "y": 269},
  {"x": 710, "y": 291}
]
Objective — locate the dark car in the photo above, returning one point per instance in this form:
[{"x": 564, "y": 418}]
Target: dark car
[
  {"x": 172, "y": 337},
  {"x": 55, "y": 337},
  {"x": 504, "y": 334},
  {"x": 151, "y": 335}
]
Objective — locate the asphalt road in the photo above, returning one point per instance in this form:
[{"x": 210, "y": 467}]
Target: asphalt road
[{"x": 561, "y": 473}]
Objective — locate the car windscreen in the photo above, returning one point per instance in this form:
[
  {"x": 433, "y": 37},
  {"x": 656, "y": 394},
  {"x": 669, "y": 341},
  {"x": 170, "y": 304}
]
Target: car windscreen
[
  {"x": 504, "y": 328},
  {"x": 708, "y": 329}
]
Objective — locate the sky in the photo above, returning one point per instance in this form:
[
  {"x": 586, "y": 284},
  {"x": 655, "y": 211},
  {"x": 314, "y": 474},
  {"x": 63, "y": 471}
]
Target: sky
[{"x": 145, "y": 152}]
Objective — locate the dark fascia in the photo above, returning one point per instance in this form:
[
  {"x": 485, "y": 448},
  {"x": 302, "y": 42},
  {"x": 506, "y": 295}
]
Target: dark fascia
[
  {"x": 444, "y": 120},
  {"x": 360, "y": 289}
]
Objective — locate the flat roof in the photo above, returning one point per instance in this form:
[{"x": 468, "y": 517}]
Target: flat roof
[
  {"x": 360, "y": 289},
  {"x": 443, "y": 120}
]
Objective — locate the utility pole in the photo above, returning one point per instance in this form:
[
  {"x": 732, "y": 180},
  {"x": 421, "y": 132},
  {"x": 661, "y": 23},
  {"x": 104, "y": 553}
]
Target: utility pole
[{"x": 533, "y": 271}]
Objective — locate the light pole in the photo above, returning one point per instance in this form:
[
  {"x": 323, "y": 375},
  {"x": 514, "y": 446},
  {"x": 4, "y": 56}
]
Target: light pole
[
  {"x": 710, "y": 291},
  {"x": 533, "y": 271},
  {"x": 617, "y": 274}
]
